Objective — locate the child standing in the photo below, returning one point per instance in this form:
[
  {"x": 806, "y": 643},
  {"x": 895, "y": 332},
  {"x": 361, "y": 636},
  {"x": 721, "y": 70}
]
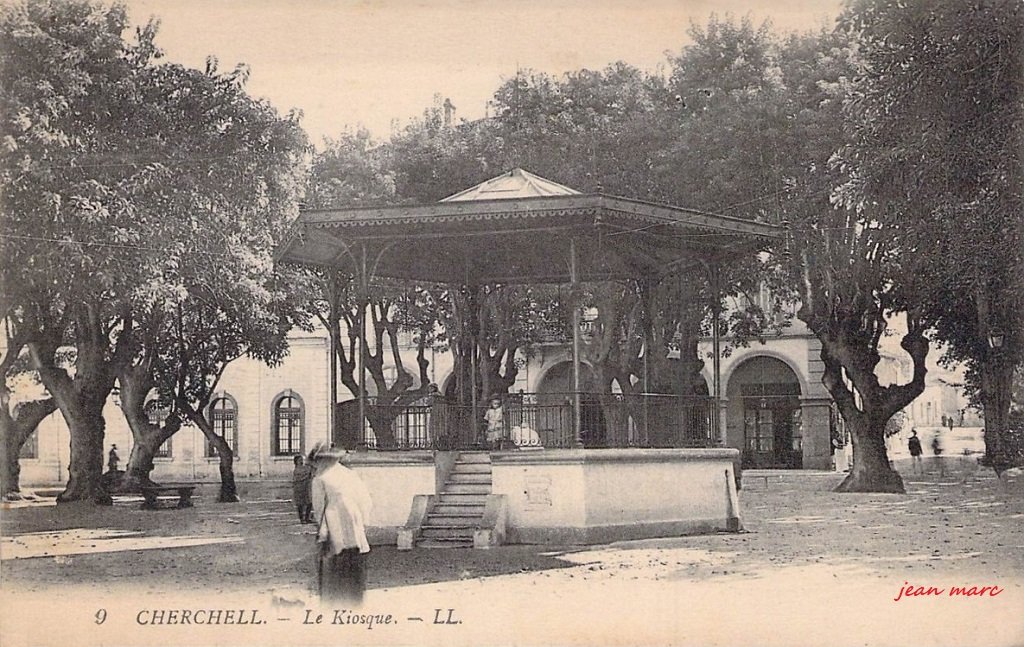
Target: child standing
[{"x": 495, "y": 419}]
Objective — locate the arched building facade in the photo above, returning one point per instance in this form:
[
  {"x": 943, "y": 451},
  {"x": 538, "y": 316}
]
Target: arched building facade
[{"x": 774, "y": 410}]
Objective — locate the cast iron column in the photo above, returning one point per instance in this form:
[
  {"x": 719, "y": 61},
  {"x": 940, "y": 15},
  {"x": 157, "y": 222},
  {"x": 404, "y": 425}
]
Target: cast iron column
[
  {"x": 363, "y": 290},
  {"x": 574, "y": 284},
  {"x": 333, "y": 352},
  {"x": 716, "y": 350}
]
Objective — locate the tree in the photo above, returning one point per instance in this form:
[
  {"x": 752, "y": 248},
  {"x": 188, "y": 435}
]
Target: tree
[
  {"x": 72, "y": 245},
  {"x": 218, "y": 297},
  {"x": 126, "y": 181},
  {"x": 209, "y": 337},
  {"x": 137, "y": 382},
  {"x": 610, "y": 130},
  {"x": 353, "y": 172},
  {"x": 938, "y": 118},
  {"x": 431, "y": 159},
  {"x": 350, "y": 171},
  {"x": 853, "y": 274},
  {"x": 762, "y": 120},
  {"x": 18, "y": 420},
  {"x": 491, "y": 326}
]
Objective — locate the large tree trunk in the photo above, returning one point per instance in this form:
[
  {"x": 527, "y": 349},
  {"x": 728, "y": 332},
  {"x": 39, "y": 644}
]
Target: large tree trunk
[
  {"x": 381, "y": 417},
  {"x": 1001, "y": 451},
  {"x": 85, "y": 466},
  {"x": 871, "y": 471},
  {"x": 10, "y": 466},
  {"x": 690, "y": 364},
  {"x": 136, "y": 383},
  {"x": 228, "y": 489},
  {"x": 81, "y": 399},
  {"x": 81, "y": 403},
  {"x": 845, "y": 303},
  {"x": 140, "y": 463},
  {"x": 867, "y": 415},
  {"x": 14, "y": 431}
]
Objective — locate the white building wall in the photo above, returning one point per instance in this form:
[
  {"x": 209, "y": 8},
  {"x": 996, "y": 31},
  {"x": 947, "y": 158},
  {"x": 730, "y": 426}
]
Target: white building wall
[
  {"x": 254, "y": 387},
  {"x": 305, "y": 372}
]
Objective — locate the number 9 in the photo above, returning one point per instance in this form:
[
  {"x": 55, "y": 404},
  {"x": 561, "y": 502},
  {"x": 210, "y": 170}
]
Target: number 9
[{"x": 101, "y": 616}]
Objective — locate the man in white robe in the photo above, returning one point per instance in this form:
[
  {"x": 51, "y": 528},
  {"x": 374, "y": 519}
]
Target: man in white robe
[{"x": 342, "y": 506}]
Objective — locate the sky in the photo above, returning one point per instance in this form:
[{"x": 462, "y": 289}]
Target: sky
[{"x": 374, "y": 63}]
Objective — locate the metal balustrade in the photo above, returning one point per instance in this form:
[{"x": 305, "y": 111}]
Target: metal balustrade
[{"x": 542, "y": 421}]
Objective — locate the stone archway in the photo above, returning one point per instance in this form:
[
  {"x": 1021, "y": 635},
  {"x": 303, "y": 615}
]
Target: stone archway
[
  {"x": 764, "y": 413},
  {"x": 554, "y": 400}
]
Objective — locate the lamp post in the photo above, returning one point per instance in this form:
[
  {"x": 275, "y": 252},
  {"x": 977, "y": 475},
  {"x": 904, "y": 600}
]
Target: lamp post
[
  {"x": 995, "y": 449},
  {"x": 995, "y": 339}
]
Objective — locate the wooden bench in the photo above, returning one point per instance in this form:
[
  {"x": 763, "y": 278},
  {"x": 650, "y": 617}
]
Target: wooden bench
[{"x": 151, "y": 493}]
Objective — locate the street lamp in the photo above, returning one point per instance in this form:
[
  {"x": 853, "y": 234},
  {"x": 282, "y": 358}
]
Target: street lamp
[{"x": 995, "y": 339}]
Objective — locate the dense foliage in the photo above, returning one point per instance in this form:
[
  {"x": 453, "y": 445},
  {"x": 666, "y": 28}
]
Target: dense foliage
[{"x": 142, "y": 203}]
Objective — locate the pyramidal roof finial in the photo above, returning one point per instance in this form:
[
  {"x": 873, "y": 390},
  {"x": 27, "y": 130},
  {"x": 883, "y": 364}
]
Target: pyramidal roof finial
[{"x": 516, "y": 183}]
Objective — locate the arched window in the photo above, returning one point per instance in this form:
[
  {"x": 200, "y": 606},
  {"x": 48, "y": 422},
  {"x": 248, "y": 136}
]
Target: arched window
[
  {"x": 157, "y": 416},
  {"x": 224, "y": 416},
  {"x": 288, "y": 417},
  {"x": 30, "y": 449}
]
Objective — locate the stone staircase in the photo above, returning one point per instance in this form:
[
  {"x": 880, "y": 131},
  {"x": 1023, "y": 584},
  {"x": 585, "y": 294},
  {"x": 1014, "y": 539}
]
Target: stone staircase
[{"x": 459, "y": 508}]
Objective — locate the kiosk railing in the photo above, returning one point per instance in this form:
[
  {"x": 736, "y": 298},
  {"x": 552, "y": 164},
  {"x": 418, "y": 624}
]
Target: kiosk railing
[{"x": 538, "y": 421}]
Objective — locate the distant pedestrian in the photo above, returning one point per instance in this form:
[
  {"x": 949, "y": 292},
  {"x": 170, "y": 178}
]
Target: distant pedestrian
[
  {"x": 113, "y": 459},
  {"x": 302, "y": 482},
  {"x": 937, "y": 450},
  {"x": 914, "y": 445},
  {"x": 342, "y": 505}
]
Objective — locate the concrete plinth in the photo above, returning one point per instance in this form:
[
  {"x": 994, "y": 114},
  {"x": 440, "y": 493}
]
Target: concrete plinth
[
  {"x": 601, "y": 495},
  {"x": 394, "y": 479}
]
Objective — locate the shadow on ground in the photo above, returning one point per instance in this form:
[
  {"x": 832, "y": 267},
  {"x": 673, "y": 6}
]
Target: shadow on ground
[
  {"x": 966, "y": 522},
  {"x": 253, "y": 545}
]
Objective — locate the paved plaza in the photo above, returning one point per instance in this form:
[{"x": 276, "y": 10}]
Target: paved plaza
[{"x": 810, "y": 568}]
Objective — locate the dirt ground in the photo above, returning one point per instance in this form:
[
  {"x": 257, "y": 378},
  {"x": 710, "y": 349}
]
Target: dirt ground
[{"x": 810, "y": 567}]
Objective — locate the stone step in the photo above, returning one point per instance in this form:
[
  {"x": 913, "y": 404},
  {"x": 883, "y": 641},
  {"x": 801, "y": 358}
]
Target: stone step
[
  {"x": 471, "y": 468},
  {"x": 455, "y": 477},
  {"x": 463, "y": 533},
  {"x": 462, "y": 499},
  {"x": 458, "y": 509},
  {"x": 473, "y": 457},
  {"x": 467, "y": 488},
  {"x": 451, "y": 521},
  {"x": 444, "y": 543}
]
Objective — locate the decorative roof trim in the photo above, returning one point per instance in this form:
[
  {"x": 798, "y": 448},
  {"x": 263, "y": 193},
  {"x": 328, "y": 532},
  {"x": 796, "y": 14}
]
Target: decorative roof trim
[{"x": 598, "y": 205}]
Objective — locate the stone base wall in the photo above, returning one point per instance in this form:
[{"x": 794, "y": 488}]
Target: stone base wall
[
  {"x": 602, "y": 495},
  {"x": 393, "y": 480}
]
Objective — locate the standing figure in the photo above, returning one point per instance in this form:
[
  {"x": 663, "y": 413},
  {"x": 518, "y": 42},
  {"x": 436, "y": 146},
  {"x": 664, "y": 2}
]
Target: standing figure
[
  {"x": 937, "y": 450},
  {"x": 914, "y": 445},
  {"x": 113, "y": 459},
  {"x": 342, "y": 505},
  {"x": 495, "y": 418},
  {"x": 302, "y": 483}
]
